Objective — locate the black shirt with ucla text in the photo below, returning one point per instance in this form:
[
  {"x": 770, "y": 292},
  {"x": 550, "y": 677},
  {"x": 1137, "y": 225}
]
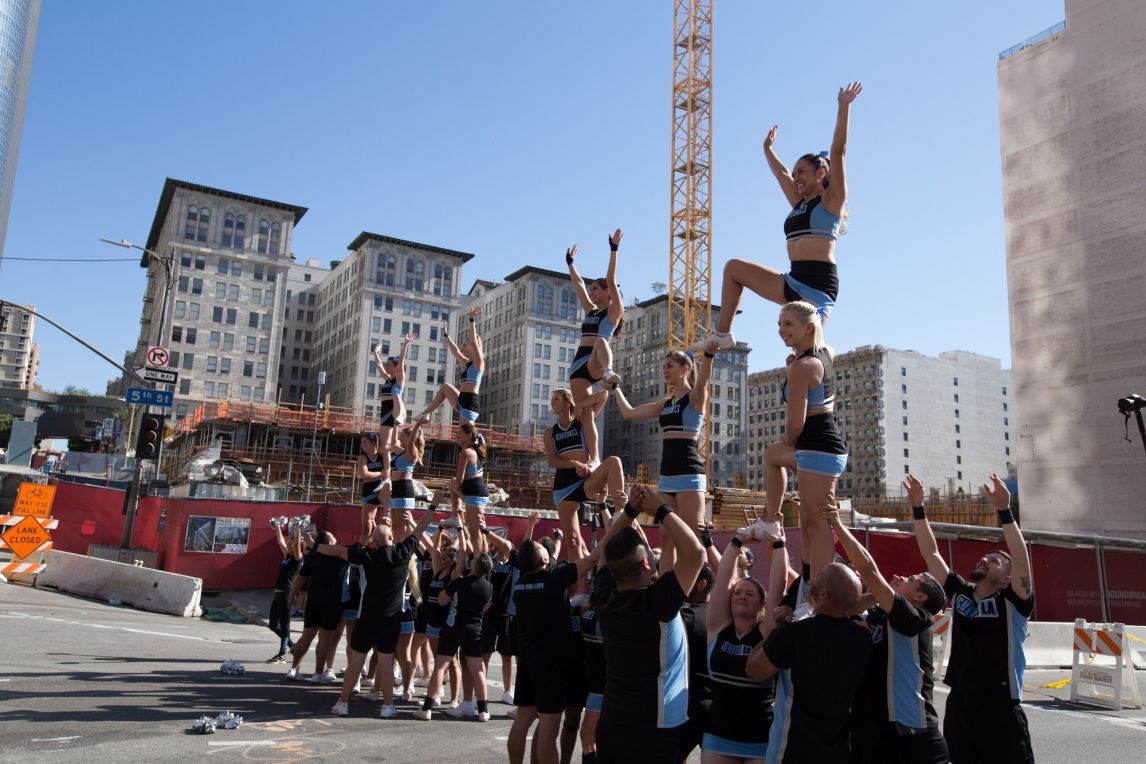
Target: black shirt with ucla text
[
  {"x": 898, "y": 686},
  {"x": 987, "y": 635}
]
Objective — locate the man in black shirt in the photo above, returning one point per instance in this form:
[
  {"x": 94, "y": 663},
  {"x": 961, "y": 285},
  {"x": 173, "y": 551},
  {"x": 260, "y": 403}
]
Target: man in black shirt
[
  {"x": 646, "y": 689},
  {"x": 821, "y": 661},
  {"x": 984, "y": 719},
  {"x": 894, "y": 719},
  {"x": 498, "y": 629},
  {"x": 321, "y": 577},
  {"x": 695, "y": 617},
  {"x": 544, "y": 646},
  {"x": 387, "y": 567}
]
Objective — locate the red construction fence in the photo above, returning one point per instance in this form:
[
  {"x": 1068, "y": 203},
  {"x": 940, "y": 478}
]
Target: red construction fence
[{"x": 1067, "y": 580}]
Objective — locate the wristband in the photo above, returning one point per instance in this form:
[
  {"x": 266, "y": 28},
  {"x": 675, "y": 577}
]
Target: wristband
[
  {"x": 706, "y": 537},
  {"x": 557, "y": 535},
  {"x": 613, "y": 245},
  {"x": 631, "y": 511},
  {"x": 472, "y": 320},
  {"x": 736, "y": 542},
  {"x": 486, "y": 531},
  {"x": 1005, "y": 517},
  {"x": 663, "y": 511},
  {"x": 568, "y": 257},
  {"x": 709, "y": 355},
  {"x": 919, "y": 513},
  {"x": 778, "y": 544}
]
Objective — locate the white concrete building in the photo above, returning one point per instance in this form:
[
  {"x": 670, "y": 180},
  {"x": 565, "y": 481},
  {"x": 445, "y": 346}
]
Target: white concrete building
[
  {"x": 1071, "y": 106},
  {"x": 386, "y": 288},
  {"x": 19, "y": 354},
  {"x": 297, "y": 378},
  {"x": 948, "y": 420},
  {"x": 229, "y": 255}
]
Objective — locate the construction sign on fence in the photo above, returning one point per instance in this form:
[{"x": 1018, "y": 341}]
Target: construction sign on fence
[
  {"x": 25, "y": 531},
  {"x": 34, "y": 500}
]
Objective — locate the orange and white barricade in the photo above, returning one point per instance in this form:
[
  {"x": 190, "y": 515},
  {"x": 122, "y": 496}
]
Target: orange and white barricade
[
  {"x": 941, "y": 631},
  {"x": 25, "y": 532},
  {"x": 1103, "y": 669}
]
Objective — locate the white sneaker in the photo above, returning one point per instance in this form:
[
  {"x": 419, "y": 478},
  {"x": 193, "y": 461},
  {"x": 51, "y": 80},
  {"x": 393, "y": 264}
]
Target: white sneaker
[
  {"x": 372, "y": 696},
  {"x": 512, "y": 713},
  {"x": 714, "y": 343},
  {"x": 341, "y": 709},
  {"x": 406, "y": 696},
  {"x": 292, "y": 673},
  {"x": 761, "y": 529},
  {"x": 357, "y": 688},
  {"x": 507, "y": 697},
  {"x": 610, "y": 377},
  {"x": 387, "y": 712},
  {"x": 483, "y": 716},
  {"x": 422, "y": 714},
  {"x": 324, "y": 677},
  {"x": 366, "y": 681},
  {"x": 397, "y": 677},
  {"x": 463, "y": 710}
]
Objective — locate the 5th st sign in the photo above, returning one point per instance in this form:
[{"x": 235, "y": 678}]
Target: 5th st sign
[{"x": 149, "y": 374}]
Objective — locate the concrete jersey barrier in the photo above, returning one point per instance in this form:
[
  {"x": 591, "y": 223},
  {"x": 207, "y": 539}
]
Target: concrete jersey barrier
[{"x": 144, "y": 588}]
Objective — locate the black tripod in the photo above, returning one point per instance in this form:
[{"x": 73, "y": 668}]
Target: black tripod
[{"x": 1133, "y": 404}]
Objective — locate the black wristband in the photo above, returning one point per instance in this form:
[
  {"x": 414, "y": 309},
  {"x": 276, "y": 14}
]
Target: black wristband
[
  {"x": 1005, "y": 517},
  {"x": 473, "y": 320},
  {"x": 706, "y": 538},
  {"x": 778, "y": 544},
  {"x": 631, "y": 511},
  {"x": 568, "y": 257},
  {"x": 919, "y": 513},
  {"x": 486, "y": 530},
  {"x": 558, "y": 535},
  {"x": 613, "y": 245},
  {"x": 663, "y": 511},
  {"x": 736, "y": 542},
  {"x": 709, "y": 355}
]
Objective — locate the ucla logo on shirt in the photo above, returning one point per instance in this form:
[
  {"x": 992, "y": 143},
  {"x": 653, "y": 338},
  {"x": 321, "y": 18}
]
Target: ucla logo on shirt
[
  {"x": 731, "y": 649},
  {"x": 673, "y": 409},
  {"x": 968, "y": 607},
  {"x": 876, "y": 633}
]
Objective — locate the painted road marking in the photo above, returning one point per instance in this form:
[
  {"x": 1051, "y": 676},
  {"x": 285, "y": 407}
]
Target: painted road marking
[
  {"x": 54, "y": 739},
  {"x": 91, "y": 625},
  {"x": 241, "y": 742}
]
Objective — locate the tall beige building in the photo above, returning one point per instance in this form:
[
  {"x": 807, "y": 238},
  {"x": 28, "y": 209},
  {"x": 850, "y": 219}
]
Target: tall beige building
[
  {"x": 1072, "y": 103},
  {"x": 19, "y": 355}
]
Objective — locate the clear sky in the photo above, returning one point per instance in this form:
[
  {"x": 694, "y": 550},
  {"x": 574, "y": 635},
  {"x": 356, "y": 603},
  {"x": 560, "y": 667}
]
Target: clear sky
[{"x": 510, "y": 130}]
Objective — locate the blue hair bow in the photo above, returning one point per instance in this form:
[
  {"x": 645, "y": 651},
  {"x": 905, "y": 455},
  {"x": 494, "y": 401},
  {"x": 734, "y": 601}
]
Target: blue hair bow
[
  {"x": 479, "y": 438},
  {"x": 689, "y": 354},
  {"x": 823, "y": 155}
]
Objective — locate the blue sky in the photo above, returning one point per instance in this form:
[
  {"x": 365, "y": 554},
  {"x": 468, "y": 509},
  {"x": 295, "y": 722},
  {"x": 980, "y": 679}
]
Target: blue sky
[{"x": 511, "y": 129}]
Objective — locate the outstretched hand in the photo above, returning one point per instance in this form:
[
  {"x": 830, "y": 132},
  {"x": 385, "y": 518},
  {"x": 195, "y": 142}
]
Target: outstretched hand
[
  {"x": 914, "y": 488},
  {"x": 475, "y": 311},
  {"x": 570, "y": 254},
  {"x": 997, "y": 492},
  {"x": 830, "y": 513},
  {"x": 770, "y": 138},
  {"x": 615, "y": 239},
  {"x": 849, "y": 92}
]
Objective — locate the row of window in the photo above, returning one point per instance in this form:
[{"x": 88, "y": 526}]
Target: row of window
[
  {"x": 386, "y": 274},
  {"x": 198, "y": 221}
]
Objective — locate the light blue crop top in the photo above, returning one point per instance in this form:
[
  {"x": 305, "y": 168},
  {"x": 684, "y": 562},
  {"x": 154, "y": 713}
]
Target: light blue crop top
[
  {"x": 471, "y": 374},
  {"x": 402, "y": 467}
]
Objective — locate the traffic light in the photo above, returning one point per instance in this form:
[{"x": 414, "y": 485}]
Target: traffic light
[{"x": 150, "y": 436}]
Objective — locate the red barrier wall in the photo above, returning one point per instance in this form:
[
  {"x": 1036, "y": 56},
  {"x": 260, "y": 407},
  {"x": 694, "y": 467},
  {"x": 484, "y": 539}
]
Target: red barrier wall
[
  {"x": 87, "y": 515},
  {"x": 1125, "y": 586},
  {"x": 1067, "y": 584}
]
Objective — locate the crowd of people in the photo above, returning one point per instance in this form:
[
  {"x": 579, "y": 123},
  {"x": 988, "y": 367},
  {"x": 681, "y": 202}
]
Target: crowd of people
[{"x": 636, "y": 651}]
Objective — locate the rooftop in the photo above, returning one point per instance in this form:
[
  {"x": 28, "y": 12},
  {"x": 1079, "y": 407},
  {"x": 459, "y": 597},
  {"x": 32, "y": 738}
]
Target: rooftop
[
  {"x": 1033, "y": 40},
  {"x": 366, "y": 236}
]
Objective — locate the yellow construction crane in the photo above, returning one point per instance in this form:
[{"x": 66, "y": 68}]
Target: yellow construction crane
[{"x": 690, "y": 235}]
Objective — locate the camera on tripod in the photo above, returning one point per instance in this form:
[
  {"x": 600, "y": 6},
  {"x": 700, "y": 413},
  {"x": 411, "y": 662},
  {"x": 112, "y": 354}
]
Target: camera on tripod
[{"x": 1131, "y": 403}]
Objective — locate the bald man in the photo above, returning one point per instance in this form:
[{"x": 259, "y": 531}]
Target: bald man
[{"x": 821, "y": 661}]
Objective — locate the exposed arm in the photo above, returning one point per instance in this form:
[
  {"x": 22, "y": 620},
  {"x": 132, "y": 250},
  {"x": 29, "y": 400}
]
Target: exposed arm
[
  {"x": 923, "y": 535},
  {"x": 464, "y": 550},
  {"x": 777, "y": 580},
  {"x": 779, "y": 169},
  {"x": 400, "y": 364},
  {"x": 616, "y": 302},
  {"x": 760, "y": 666},
  {"x": 281, "y": 539},
  {"x": 366, "y": 474},
  {"x": 800, "y": 378},
  {"x": 644, "y": 411},
  {"x": 333, "y": 550},
  {"x": 1016, "y": 544},
  {"x": 578, "y": 282},
  {"x": 689, "y": 553},
  {"x": 837, "y": 192},
  {"x": 478, "y": 359},
  {"x": 861, "y": 560},
  {"x": 531, "y": 524},
  {"x": 461, "y": 357},
  {"x": 699, "y": 395},
  {"x": 378, "y": 364},
  {"x": 423, "y": 523},
  {"x": 720, "y": 601},
  {"x": 504, "y": 546}
]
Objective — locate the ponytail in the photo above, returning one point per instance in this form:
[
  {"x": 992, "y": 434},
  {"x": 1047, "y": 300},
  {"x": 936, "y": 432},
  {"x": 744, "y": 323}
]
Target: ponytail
[{"x": 808, "y": 314}]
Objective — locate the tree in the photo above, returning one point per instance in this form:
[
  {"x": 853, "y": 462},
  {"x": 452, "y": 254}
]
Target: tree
[{"x": 75, "y": 390}]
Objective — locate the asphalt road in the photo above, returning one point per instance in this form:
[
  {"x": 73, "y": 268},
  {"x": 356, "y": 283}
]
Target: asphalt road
[{"x": 83, "y": 681}]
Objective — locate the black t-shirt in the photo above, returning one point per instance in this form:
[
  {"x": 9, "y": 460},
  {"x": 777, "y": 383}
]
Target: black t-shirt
[
  {"x": 469, "y": 596},
  {"x": 898, "y": 684},
  {"x": 695, "y": 619},
  {"x": 987, "y": 659},
  {"x": 323, "y": 574},
  {"x": 288, "y": 567},
  {"x": 542, "y": 613},
  {"x": 386, "y": 573},
  {"x": 647, "y": 655},
  {"x": 822, "y": 661},
  {"x": 425, "y": 566},
  {"x": 502, "y": 578}
]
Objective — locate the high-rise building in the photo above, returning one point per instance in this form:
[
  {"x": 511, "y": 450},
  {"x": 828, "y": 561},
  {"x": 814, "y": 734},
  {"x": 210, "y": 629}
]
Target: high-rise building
[
  {"x": 297, "y": 377},
  {"x": 947, "y": 420},
  {"x": 385, "y": 289},
  {"x": 1071, "y": 105},
  {"x": 530, "y": 327},
  {"x": 19, "y": 355},
  {"x": 223, "y": 320},
  {"x": 638, "y": 352},
  {"x": 19, "y": 20}
]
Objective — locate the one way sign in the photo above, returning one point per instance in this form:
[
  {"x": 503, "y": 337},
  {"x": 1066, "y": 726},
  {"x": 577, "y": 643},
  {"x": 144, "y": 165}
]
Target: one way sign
[{"x": 156, "y": 375}]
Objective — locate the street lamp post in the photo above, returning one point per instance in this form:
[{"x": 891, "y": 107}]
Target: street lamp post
[
  {"x": 314, "y": 433},
  {"x": 131, "y": 496}
]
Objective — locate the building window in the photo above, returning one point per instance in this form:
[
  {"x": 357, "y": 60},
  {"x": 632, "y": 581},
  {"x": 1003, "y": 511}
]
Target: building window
[
  {"x": 956, "y": 413},
  {"x": 384, "y": 274},
  {"x": 905, "y": 453},
  {"x": 903, "y": 371},
  {"x": 443, "y": 280},
  {"x": 276, "y": 238},
  {"x": 907, "y": 469},
  {"x": 958, "y": 444},
  {"x": 958, "y": 459},
  {"x": 905, "y": 421},
  {"x": 224, "y": 265},
  {"x": 905, "y": 437},
  {"x": 956, "y": 397},
  {"x": 904, "y": 404},
  {"x": 568, "y": 305},
  {"x": 196, "y": 226},
  {"x": 415, "y": 274},
  {"x": 1004, "y": 390},
  {"x": 955, "y": 381},
  {"x": 264, "y": 236},
  {"x": 543, "y": 300},
  {"x": 234, "y": 231},
  {"x": 903, "y": 389}
]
